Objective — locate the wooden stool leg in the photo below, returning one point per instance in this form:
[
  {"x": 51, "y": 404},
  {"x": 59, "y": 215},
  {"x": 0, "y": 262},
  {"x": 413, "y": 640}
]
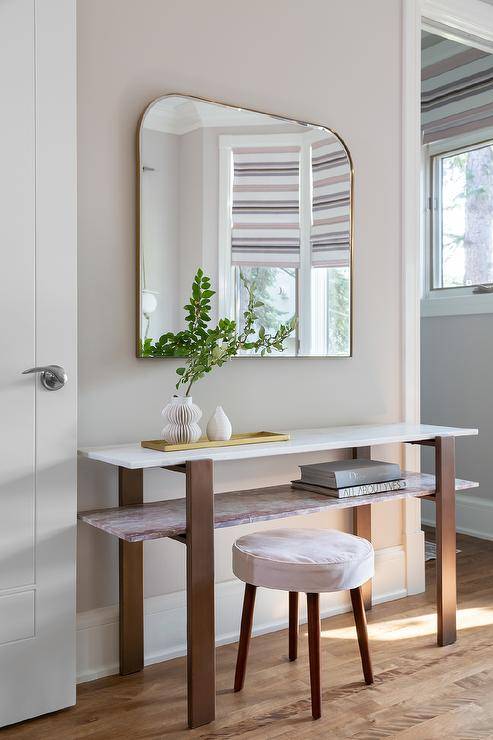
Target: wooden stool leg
[
  {"x": 245, "y": 634},
  {"x": 314, "y": 653},
  {"x": 293, "y": 625},
  {"x": 362, "y": 632}
]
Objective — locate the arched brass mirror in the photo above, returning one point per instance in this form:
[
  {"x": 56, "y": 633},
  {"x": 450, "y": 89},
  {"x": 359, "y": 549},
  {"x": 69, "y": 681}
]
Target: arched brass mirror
[{"x": 251, "y": 199}]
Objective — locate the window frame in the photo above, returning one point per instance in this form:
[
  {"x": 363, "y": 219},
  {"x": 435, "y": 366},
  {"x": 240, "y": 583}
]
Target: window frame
[
  {"x": 227, "y": 142},
  {"x": 456, "y": 300},
  {"x": 226, "y": 297},
  {"x": 226, "y": 271}
]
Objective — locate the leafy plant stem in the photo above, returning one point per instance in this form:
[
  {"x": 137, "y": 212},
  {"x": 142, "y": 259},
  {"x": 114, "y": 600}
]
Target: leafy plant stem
[{"x": 204, "y": 348}]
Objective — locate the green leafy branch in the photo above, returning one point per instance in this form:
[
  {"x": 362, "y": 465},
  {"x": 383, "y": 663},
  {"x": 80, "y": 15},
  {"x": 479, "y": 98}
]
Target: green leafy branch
[{"x": 205, "y": 347}]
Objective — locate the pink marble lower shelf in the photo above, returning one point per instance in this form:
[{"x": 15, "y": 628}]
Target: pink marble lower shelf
[{"x": 168, "y": 519}]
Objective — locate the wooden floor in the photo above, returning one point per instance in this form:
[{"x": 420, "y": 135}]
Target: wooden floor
[{"x": 420, "y": 691}]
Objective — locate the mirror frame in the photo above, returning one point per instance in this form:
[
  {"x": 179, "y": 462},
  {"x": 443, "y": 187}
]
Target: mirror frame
[{"x": 284, "y": 119}]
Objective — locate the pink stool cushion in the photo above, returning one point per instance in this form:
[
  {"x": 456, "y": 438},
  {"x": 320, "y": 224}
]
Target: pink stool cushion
[{"x": 309, "y": 560}]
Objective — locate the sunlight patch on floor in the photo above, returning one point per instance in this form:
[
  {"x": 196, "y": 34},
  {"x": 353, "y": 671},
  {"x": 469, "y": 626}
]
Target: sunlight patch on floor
[{"x": 405, "y": 628}]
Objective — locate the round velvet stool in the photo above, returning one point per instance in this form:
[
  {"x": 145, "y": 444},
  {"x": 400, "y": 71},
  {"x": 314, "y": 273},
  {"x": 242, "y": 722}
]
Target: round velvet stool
[{"x": 313, "y": 561}]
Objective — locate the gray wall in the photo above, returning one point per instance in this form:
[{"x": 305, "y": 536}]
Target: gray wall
[
  {"x": 456, "y": 373},
  {"x": 303, "y": 60}
]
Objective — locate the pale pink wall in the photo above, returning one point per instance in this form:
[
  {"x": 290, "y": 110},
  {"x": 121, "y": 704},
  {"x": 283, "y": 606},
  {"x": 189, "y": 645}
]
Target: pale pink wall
[{"x": 334, "y": 62}]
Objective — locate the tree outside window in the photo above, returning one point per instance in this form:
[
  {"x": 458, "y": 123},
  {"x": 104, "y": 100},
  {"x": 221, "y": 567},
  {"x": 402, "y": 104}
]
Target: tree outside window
[{"x": 463, "y": 248}]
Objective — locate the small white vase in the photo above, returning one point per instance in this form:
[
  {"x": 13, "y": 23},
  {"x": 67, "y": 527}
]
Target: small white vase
[
  {"x": 219, "y": 426},
  {"x": 181, "y": 416}
]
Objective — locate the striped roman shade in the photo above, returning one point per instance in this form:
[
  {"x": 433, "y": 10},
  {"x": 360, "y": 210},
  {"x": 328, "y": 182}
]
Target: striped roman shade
[
  {"x": 331, "y": 203},
  {"x": 265, "y": 206},
  {"x": 456, "y": 89}
]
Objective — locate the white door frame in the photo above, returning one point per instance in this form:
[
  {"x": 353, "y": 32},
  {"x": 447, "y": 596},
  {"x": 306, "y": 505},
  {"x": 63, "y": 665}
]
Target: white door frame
[
  {"x": 413, "y": 538},
  {"x": 469, "y": 21}
]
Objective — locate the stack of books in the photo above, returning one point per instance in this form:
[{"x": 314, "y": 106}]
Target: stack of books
[{"x": 346, "y": 478}]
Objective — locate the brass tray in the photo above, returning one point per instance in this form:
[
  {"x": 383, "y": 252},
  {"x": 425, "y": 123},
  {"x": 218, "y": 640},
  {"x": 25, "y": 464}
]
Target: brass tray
[{"x": 249, "y": 438}]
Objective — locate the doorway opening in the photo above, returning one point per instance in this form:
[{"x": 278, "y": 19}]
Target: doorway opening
[{"x": 457, "y": 254}]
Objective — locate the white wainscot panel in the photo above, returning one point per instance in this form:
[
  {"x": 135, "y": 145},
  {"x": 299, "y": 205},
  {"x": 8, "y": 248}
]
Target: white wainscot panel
[{"x": 17, "y": 616}]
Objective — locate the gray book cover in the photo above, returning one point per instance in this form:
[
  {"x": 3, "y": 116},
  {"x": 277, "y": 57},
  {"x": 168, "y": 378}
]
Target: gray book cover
[
  {"x": 346, "y": 473},
  {"x": 352, "y": 491}
]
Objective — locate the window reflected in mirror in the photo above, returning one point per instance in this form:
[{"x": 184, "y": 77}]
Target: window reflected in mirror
[
  {"x": 276, "y": 289},
  {"x": 259, "y": 203}
]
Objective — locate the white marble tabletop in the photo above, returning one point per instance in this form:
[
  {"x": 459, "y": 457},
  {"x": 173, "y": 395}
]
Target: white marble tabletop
[{"x": 302, "y": 440}]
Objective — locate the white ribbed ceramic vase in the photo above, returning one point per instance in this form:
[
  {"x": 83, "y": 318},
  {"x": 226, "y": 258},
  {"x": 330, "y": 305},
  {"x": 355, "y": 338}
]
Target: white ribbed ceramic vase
[
  {"x": 181, "y": 416},
  {"x": 219, "y": 426}
]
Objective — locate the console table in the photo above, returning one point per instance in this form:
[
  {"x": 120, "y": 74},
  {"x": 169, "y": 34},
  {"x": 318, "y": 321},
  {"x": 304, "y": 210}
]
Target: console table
[{"x": 192, "y": 520}]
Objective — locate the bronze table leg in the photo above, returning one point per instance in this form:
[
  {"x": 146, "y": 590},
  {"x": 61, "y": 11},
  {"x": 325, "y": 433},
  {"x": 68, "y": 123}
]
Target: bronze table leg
[
  {"x": 362, "y": 526},
  {"x": 131, "y": 564},
  {"x": 446, "y": 540},
  {"x": 201, "y": 658}
]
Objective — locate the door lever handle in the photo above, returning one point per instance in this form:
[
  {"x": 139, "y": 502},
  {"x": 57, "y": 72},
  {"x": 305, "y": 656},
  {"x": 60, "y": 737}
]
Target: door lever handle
[{"x": 53, "y": 377}]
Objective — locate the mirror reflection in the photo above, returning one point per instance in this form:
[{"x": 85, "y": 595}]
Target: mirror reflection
[{"x": 255, "y": 201}]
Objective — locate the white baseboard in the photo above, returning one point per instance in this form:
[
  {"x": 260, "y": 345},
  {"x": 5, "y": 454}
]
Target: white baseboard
[
  {"x": 474, "y": 515},
  {"x": 165, "y": 617}
]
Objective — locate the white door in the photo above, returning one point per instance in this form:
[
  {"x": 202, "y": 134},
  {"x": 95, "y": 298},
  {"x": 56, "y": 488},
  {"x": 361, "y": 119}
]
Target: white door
[{"x": 37, "y": 327}]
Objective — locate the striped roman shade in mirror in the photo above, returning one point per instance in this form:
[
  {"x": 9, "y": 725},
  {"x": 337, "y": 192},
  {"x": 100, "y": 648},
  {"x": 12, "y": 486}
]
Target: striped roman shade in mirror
[
  {"x": 331, "y": 203},
  {"x": 265, "y": 206},
  {"x": 456, "y": 88}
]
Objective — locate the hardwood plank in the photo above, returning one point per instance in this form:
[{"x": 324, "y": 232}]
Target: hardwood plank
[{"x": 419, "y": 691}]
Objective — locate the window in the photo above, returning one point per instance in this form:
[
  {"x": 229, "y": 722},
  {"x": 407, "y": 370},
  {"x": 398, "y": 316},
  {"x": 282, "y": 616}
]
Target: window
[
  {"x": 285, "y": 205},
  {"x": 330, "y": 310},
  {"x": 277, "y": 288},
  {"x": 461, "y": 230}
]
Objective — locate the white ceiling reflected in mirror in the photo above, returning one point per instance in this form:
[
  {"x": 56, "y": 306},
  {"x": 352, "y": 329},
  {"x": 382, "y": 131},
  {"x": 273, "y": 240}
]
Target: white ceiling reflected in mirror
[{"x": 257, "y": 202}]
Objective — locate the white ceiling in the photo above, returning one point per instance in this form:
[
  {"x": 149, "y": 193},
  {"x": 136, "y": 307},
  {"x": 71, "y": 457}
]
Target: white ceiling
[{"x": 179, "y": 115}]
